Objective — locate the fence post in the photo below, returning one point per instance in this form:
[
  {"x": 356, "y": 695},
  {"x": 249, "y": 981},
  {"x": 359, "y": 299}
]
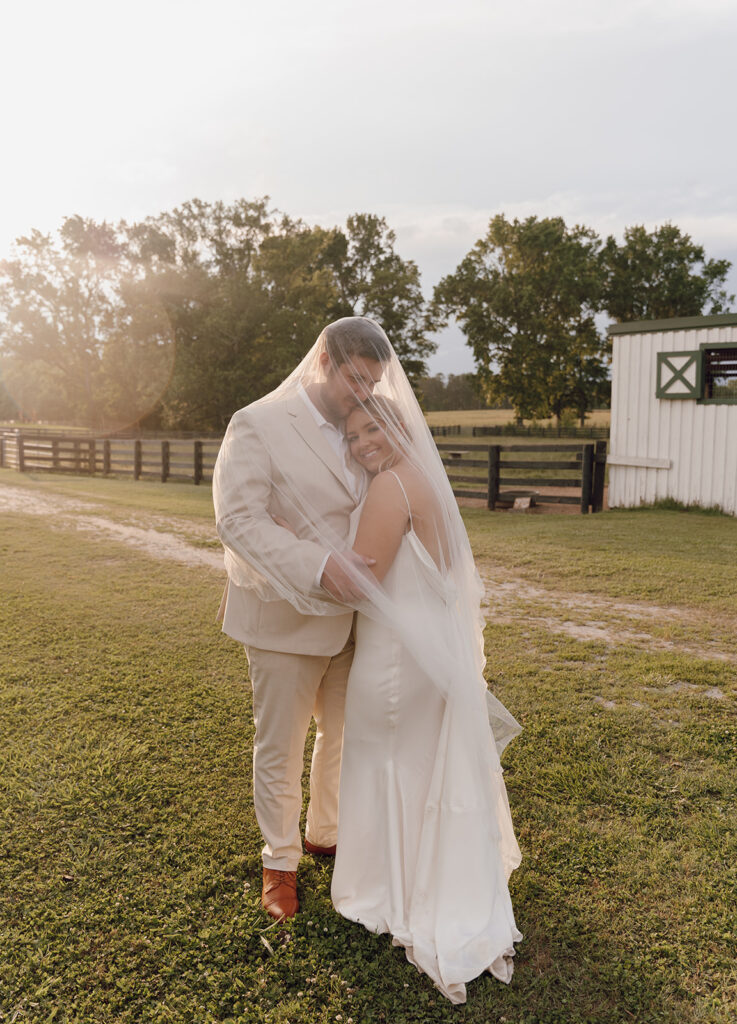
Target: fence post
[
  {"x": 587, "y": 473},
  {"x": 137, "y": 459},
  {"x": 92, "y": 458},
  {"x": 493, "y": 481},
  {"x": 597, "y": 495},
  {"x": 55, "y": 453},
  {"x": 2, "y": 452},
  {"x": 106, "y": 457},
  {"x": 164, "y": 461},
  {"x": 197, "y": 462},
  {"x": 21, "y": 454}
]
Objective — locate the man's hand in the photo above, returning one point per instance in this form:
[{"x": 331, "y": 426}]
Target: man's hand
[{"x": 344, "y": 587}]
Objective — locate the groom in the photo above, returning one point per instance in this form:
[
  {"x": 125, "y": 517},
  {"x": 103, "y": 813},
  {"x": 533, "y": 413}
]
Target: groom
[{"x": 298, "y": 663}]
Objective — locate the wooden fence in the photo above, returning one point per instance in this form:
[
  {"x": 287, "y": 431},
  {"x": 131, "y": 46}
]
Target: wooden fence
[
  {"x": 141, "y": 459},
  {"x": 500, "y": 479},
  {"x": 499, "y": 472}
]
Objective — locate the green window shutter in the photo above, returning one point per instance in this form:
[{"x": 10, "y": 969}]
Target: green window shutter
[{"x": 678, "y": 375}]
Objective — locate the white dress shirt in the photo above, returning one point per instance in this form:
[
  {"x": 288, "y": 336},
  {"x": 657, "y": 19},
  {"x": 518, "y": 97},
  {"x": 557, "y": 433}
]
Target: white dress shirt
[{"x": 336, "y": 440}]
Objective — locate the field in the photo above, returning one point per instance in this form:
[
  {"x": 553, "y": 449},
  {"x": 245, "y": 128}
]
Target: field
[
  {"x": 130, "y": 854},
  {"x": 464, "y": 417},
  {"x": 500, "y": 417}
]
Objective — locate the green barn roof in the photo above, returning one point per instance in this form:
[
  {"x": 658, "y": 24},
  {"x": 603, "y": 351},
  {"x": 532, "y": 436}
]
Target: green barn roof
[{"x": 676, "y": 323}]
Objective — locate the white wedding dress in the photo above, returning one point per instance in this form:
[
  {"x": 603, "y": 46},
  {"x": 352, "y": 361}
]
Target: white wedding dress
[{"x": 425, "y": 841}]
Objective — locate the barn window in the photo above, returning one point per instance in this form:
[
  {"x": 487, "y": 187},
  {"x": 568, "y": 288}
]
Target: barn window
[
  {"x": 708, "y": 374},
  {"x": 679, "y": 375},
  {"x": 720, "y": 372}
]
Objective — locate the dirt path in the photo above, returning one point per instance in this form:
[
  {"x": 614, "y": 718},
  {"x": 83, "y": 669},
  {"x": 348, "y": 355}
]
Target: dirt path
[
  {"x": 509, "y": 598},
  {"x": 585, "y": 616},
  {"x": 165, "y": 537}
]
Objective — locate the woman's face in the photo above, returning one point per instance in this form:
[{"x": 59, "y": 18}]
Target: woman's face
[{"x": 368, "y": 443}]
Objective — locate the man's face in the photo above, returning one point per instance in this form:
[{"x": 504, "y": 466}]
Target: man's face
[{"x": 349, "y": 384}]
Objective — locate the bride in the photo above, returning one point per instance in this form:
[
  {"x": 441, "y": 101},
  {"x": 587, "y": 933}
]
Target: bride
[{"x": 425, "y": 841}]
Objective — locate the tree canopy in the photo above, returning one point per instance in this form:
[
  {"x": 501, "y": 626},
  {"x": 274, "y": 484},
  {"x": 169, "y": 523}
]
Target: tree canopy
[
  {"x": 182, "y": 318},
  {"x": 83, "y": 338},
  {"x": 179, "y": 319},
  {"x": 526, "y": 296},
  {"x": 660, "y": 274},
  {"x": 456, "y": 391}
]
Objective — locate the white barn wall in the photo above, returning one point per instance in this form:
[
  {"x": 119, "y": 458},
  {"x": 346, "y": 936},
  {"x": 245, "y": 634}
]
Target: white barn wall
[{"x": 699, "y": 439}]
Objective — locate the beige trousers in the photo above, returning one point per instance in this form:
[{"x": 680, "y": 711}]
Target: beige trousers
[{"x": 288, "y": 691}]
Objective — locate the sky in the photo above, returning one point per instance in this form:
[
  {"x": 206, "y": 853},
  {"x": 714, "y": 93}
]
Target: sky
[{"x": 435, "y": 115}]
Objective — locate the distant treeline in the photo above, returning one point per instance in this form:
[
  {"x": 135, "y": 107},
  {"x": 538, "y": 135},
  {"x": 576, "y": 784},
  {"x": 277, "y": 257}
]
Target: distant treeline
[
  {"x": 176, "y": 321},
  {"x": 442, "y": 393}
]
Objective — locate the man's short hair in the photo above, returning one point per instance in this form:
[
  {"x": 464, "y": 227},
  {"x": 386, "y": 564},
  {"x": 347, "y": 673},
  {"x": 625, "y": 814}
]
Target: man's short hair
[{"x": 356, "y": 336}]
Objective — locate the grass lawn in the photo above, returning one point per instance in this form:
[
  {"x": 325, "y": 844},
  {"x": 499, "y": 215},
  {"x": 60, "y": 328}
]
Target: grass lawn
[
  {"x": 120, "y": 495},
  {"x": 130, "y": 853},
  {"x": 668, "y": 557}
]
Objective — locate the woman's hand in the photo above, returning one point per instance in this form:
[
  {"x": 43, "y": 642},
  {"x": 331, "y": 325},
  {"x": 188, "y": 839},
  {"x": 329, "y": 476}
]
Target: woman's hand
[
  {"x": 345, "y": 586},
  {"x": 282, "y": 522}
]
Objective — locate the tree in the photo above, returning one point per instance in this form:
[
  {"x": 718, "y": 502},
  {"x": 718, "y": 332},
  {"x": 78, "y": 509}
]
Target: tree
[
  {"x": 458, "y": 391},
  {"x": 373, "y": 280},
  {"x": 198, "y": 260},
  {"x": 248, "y": 292},
  {"x": 186, "y": 316},
  {"x": 57, "y": 313},
  {"x": 8, "y": 407},
  {"x": 75, "y": 344},
  {"x": 461, "y": 392},
  {"x": 431, "y": 393},
  {"x": 660, "y": 274},
  {"x": 525, "y": 297}
]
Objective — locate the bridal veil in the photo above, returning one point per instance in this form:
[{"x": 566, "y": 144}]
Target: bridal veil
[{"x": 371, "y": 375}]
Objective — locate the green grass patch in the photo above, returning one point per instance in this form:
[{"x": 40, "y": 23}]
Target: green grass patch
[
  {"x": 174, "y": 498},
  {"x": 129, "y": 849},
  {"x": 672, "y": 505},
  {"x": 668, "y": 557}
]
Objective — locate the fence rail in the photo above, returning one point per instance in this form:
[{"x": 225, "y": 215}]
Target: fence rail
[
  {"x": 498, "y": 471},
  {"x": 504, "y": 479},
  {"x": 164, "y": 460}
]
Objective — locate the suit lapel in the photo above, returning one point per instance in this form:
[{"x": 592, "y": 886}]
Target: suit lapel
[{"x": 306, "y": 426}]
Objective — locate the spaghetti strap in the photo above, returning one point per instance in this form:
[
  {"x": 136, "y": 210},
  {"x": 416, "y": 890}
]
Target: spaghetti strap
[{"x": 409, "y": 510}]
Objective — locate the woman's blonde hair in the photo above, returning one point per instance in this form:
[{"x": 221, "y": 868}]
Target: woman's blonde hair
[{"x": 389, "y": 413}]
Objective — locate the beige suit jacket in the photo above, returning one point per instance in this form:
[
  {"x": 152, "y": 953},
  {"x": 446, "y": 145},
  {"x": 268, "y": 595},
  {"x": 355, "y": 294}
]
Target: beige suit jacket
[{"x": 248, "y": 488}]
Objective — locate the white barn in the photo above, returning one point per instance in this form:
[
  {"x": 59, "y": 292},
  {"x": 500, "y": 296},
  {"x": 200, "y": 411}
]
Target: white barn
[{"x": 674, "y": 412}]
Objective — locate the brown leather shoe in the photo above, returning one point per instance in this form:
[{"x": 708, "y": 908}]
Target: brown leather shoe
[
  {"x": 279, "y": 893},
  {"x": 319, "y": 851}
]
